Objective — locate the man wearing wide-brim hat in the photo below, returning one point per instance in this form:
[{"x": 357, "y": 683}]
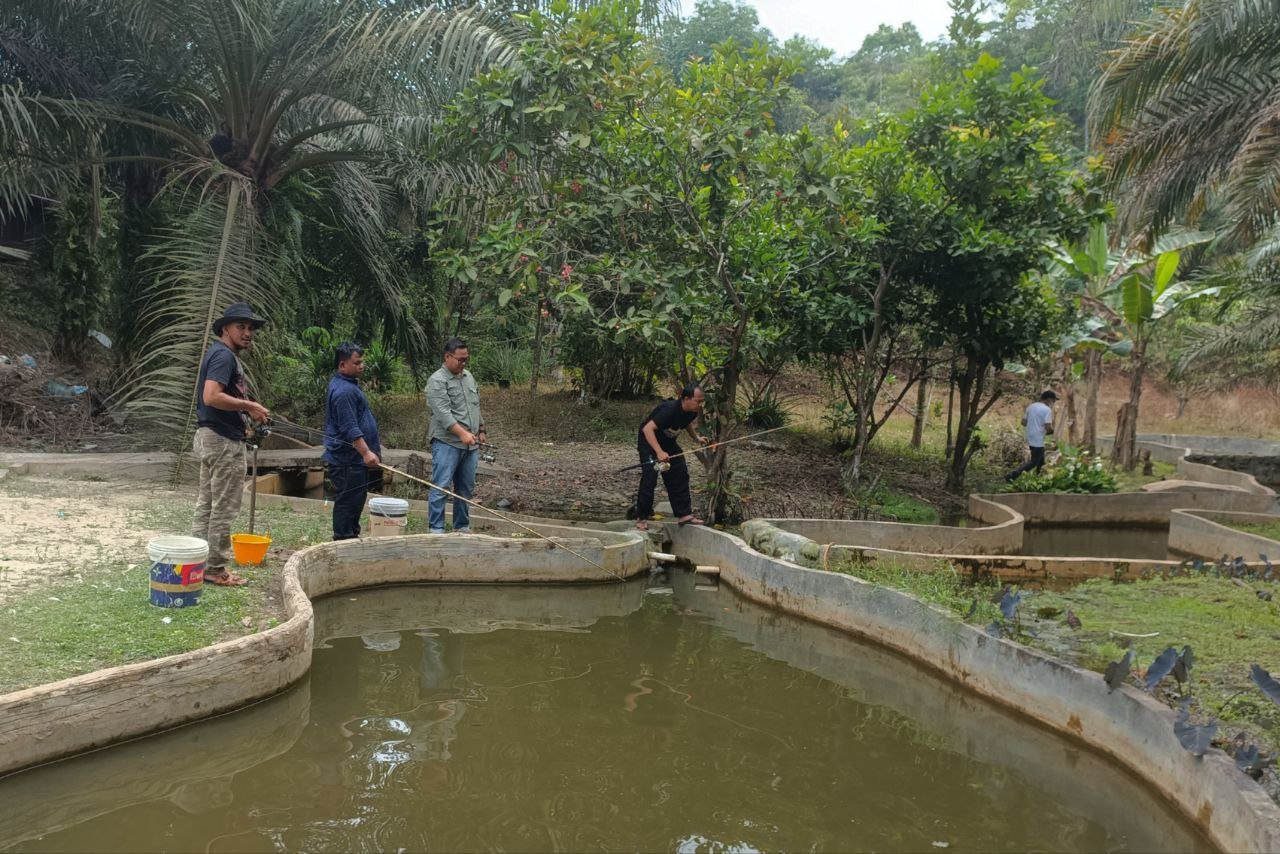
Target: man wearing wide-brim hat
[{"x": 223, "y": 410}]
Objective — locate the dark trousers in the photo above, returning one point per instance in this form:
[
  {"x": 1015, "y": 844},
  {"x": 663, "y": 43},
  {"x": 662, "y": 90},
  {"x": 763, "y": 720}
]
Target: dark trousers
[
  {"x": 350, "y": 485},
  {"x": 675, "y": 479},
  {"x": 1036, "y": 462}
]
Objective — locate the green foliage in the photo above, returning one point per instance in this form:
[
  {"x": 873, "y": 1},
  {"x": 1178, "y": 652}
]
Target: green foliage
[
  {"x": 1076, "y": 471},
  {"x": 506, "y": 362},
  {"x": 712, "y": 23},
  {"x": 764, "y": 407}
]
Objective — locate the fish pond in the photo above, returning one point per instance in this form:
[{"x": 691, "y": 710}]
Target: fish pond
[{"x": 652, "y": 715}]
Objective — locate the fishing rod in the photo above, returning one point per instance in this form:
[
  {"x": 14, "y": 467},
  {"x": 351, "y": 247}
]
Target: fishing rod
[
  {"x": 451, "y": 494},
  {"x": 663, "y": 465}
]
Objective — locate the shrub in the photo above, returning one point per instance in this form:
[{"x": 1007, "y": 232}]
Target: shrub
[
  {"x": 765, "y": 409},
  {"x": 1075, "y": 471}
]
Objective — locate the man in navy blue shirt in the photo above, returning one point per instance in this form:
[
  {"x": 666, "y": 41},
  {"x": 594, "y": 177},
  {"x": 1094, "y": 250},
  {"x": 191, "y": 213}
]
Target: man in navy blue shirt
[{"x": 351, "y": 444}]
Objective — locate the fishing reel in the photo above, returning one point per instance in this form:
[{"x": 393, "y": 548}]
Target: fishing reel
[
  {"x": 486, "y": 452},
  {"x": 255, "y": 434},
  {"x": 662, "y": 465}
]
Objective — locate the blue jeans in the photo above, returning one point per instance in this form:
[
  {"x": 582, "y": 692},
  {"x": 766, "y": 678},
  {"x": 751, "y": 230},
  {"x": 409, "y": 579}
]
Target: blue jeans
[{"x": 454, "y": 469}]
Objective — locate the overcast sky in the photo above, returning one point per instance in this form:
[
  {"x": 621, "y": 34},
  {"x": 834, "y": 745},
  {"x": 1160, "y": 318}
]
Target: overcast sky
[{"x": 842, "y": 24}]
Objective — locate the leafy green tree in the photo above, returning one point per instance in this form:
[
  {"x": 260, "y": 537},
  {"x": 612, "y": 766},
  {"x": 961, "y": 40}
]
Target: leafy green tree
[
  {"x": 886, "y": 74},
  {"x": 1007, "y": 194},
  {"x": 712, "y": 23},
  {"x": 1098, "y": 278},
  {"x": 667, "y": 211}
]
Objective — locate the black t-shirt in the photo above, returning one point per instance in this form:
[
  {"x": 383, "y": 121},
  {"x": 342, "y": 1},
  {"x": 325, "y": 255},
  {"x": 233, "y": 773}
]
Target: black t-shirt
[
  {"x": 669, "y": 416},
  {"x": 221, "y": 366}
]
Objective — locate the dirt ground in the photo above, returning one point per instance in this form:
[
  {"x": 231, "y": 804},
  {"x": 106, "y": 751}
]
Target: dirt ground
[{"x": 50, "y": 525}]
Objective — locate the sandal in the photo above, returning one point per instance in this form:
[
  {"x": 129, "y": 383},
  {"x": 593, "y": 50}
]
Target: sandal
[
  {"x": 690, "y": 520},
  {"x": 223, "y": 578}
]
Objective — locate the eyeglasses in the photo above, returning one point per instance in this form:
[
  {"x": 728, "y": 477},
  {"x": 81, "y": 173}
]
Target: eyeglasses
[{"x": 460, "y": 359}]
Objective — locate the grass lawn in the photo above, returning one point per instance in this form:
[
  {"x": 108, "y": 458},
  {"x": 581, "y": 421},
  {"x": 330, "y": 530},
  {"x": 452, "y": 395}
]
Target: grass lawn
[
  {"x": 69, "y": 627},
  {"x": 1270, "y": 530},
  {"x": 1228, "y": 627},
  {"x": 1226, "y": 624}
]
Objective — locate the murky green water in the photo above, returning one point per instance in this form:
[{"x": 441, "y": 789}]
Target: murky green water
[
  {"x": 646, "y": 716},
  {"x": 1132, "y": 542}
]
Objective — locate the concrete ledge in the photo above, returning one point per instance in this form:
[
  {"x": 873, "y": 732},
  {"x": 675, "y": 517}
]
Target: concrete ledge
[
  {"x": 1178, "y": 450},
  {"x": 1131, "y": 728},
  {"x": 74, "y": 715},
  {"x": 1201, "y": 532},
  {"x": 1002, "y": 537},
  {"x": 992, "y": 550},
  {"x": 1128, "y": 508}
]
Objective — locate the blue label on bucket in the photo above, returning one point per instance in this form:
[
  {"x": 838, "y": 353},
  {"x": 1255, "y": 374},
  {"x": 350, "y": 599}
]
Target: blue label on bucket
[{"x": 176, "y": 585}]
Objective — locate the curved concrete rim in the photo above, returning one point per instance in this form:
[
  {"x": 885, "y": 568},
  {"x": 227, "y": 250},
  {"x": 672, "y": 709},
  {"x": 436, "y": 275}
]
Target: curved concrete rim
[
  {"x": 74, "y": 715},
  {"x": 1131, "y": 728}
]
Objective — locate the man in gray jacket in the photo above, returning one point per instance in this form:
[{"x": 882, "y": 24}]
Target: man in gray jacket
[{"x": 456, "y": 433}]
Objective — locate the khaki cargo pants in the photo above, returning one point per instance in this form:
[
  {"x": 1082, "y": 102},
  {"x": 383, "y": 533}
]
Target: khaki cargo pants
[{"x": 222, "y": 465}]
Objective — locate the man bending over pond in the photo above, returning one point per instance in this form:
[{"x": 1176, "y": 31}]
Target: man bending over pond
[{"x": 656, "y": 443}]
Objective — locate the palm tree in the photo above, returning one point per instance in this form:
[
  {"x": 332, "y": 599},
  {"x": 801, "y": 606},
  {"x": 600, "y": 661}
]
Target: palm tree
[
  {"x": 240, "y": 114},
  {"x": 1187, "y": 111}
]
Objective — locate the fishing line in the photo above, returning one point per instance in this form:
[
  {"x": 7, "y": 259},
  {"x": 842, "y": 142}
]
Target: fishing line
[{"x": 451, "y": 494}]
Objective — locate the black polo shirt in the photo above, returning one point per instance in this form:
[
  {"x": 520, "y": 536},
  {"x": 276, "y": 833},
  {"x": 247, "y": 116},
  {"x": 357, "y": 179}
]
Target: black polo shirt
[{"x": 221, "y": 366}]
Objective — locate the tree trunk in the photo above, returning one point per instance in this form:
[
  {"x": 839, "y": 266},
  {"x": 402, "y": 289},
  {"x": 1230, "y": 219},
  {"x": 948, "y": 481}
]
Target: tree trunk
[
  {"x": 1092, "y": 380},
  {"x": 1064, "y": 419},
  {"x": 951, "y": 401},
  {"x": 536, "y": 360},
  {"x": 971, "y": 383},
  {"x": 922, "y": 406},
  {"x": 1124, "y": 451},
  {"x": 717, "y": 459}
]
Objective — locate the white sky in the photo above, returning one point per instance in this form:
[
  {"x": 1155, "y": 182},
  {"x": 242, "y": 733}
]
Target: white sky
[{"x": 842, "y": 24}]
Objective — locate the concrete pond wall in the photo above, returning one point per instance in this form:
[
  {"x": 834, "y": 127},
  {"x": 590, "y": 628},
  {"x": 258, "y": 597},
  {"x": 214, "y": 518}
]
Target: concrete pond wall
[
  {"x": 1132, "y": 729},
  {"x": 85, "y": 712},
  {"x": 994, "y": 549},
  {"x": 1206, "y": 533}
]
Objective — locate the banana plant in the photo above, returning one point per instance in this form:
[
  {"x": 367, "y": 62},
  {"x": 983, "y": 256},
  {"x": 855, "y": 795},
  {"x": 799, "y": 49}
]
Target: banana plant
[
  {"x": 1140, "y": 299},
  {"x": 1092, "y": 272}
]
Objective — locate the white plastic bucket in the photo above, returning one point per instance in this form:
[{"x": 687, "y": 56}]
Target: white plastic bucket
[
  {"x": 388, "y": 517},
  {"x": 177, "y": 570}
]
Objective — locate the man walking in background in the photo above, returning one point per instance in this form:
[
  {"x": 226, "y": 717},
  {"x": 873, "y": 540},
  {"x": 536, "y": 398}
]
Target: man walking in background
[
  {"x": 456, "y": 433},
  {"x": 351, "y": 442},
  {"x": 1039, "y": 421},
  {"x": 223, "y": 408}
]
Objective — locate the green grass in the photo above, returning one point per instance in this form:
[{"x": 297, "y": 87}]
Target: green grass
[
  {"x": 1132, "y": 481},
  {"x": 1271, "y": 530},
  {"x": 71, "y": 627},
  {"x": 1226, "y": 625},
  {"x": 942, "y": 585}
]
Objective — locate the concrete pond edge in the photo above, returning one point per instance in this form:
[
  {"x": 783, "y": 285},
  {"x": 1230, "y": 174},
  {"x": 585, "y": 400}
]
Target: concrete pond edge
[
  {"x": 60, "y": 719},
  {"x": 1130, "y": 728}
]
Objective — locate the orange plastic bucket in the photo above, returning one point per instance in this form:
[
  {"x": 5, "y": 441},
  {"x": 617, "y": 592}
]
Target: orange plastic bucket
[{"x": 249, "y": 549}]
